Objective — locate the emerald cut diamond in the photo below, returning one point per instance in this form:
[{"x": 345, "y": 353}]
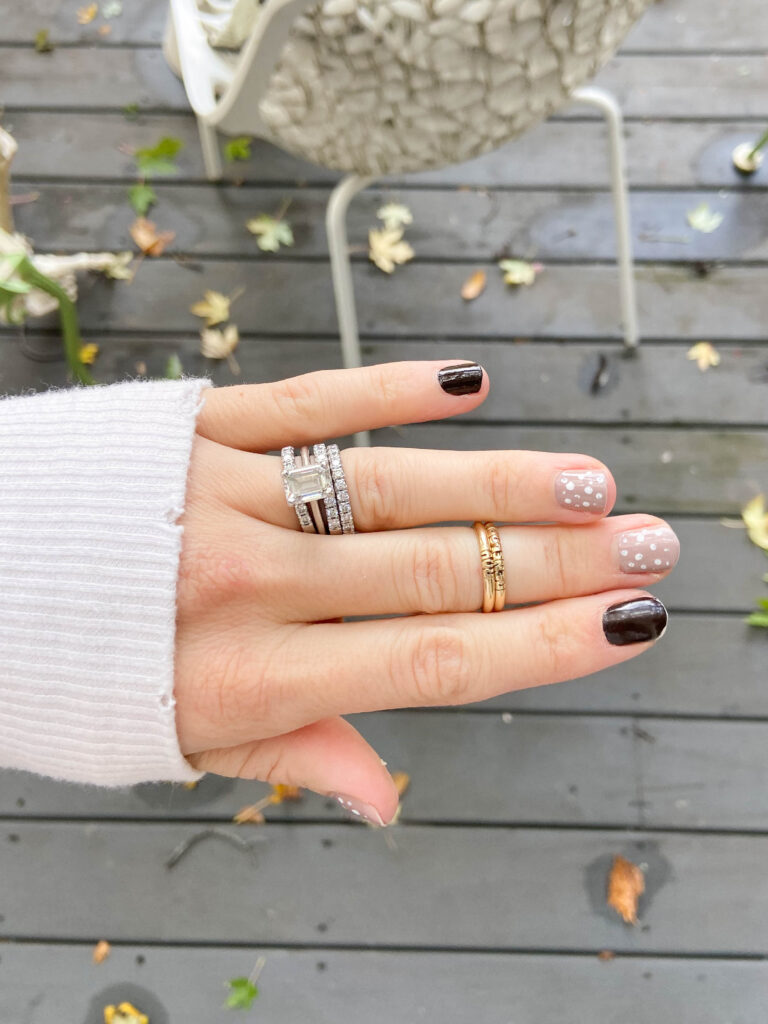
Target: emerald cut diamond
[{"x": 306, "y": 483}]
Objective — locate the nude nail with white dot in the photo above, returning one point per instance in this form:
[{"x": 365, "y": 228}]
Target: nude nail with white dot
[
  {"x": 649, "y": 550},
  {"x": 582, "y": 490}
]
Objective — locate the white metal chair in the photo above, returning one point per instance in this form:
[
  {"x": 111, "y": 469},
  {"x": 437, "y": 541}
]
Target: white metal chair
[{"x": 378, "y": 87}]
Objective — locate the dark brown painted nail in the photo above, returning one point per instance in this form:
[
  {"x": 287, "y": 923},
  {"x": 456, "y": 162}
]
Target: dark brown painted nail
[
  {"x": 635, "y": 622},
  {"x": 461, "y": 379}
]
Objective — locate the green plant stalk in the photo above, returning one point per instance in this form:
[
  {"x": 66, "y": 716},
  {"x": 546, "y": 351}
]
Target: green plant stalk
[
  {"x": 70, "y": 327},
  {"x": 758, "y": 145}
]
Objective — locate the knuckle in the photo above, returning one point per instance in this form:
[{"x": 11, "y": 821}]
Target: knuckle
[
  {"x": 500, "y": 486},
  {"x": 243, "y": 690},
  {"x": 209, "y": 575},
  {"x": 434, "y": 575},
  {"x": 296, "y": 399},
  {"x": 555, "y": 649},
  {"x": 376, "y": 489},
  {"x": 387, "y": 384},
  {"x": 556, "y": 562},
  {"x": 439, "y": 666}
]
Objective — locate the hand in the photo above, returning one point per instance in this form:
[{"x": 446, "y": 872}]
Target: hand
[{"x": 264, "y": 664}]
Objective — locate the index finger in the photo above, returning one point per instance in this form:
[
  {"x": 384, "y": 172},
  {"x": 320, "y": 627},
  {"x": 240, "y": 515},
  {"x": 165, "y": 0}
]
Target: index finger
[{"x": 333, "y": 403}]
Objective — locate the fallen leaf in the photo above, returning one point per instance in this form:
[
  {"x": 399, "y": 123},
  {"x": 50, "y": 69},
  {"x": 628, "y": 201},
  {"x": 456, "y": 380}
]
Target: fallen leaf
[
  {"x": 43, "y": 43},
  {"x": 242, "y": 992},
  {"x": 142, "y": 197},
  {"x": 111, "y": 9},
  {"x": 755, "y": 516},
  {"x": 104, "y": 30},
  {"x": 131, "y": 111},
  {"x": 402, "y": 781},
  {"x": 151, "y": 241},
  {"x": 271, "y": 232},
  {"x": 605, "y": 955},
  {"x": 701, "y": 218},
  {"x": 387, "y": 248},
  {"x": 88, "y": 353},
  {"x": 474, "y": 286},
  {"x": 238, "y": 149},
  {"x": 174, "y": 371},
  {"x": 214, "y": 308},
  {"x": 101, "y": 951},
  {"x": 281, "y": 793},
  {"x": 626, "y": 884},
  {"x": 394, "y": 216},
  {"x": 705, "y": 355},
  {"x": 158, "y": 159},
  {"x": 125, "y": 1013},
  {"x": 216, "y": 344},
  {"x": 520, "y": 272},
  {"x": 249, "y": 815},
  {"x": 119, "y": 269},
  {"x": 85, "y": 15},
  {"x": 196, "y": 783}
]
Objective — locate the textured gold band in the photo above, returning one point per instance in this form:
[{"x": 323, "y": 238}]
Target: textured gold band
[
  {"x": 487, "y": 564},
  {"x": 499, "y": 576}
]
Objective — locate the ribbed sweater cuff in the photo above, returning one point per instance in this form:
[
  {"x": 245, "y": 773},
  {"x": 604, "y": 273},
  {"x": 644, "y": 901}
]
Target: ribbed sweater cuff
[{"x": 92, "y": 484}]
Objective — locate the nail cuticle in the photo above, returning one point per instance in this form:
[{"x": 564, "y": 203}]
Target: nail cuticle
[
  {"x": 461, "y": 379},
  {"x": 639, "y": 620}
]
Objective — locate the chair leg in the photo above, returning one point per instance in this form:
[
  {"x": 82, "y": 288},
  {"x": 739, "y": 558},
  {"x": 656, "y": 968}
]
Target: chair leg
[
  {"x": 210, "y": 145},
  {"x": 341, "y": 271},
  {"x": 611, "y": 111},
  {"x": 171, "y": 46}
]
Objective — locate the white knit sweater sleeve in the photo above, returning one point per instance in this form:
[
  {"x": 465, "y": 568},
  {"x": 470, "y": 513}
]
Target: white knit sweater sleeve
[{"x": 92, "y": 484}]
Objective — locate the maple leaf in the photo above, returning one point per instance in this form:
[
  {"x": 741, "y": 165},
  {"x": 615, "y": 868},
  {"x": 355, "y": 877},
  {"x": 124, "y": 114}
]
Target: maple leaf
[
  {"x": 213, "y": 308},
  {"x": 125, "y": 1013},
  {"x": 142, "y": 197},
  {"x": 88, "y": 353},
  {"x": 755, "y": 516},
  {"x": 158, "y": 159},
  {"x": 626, "y": 884},
  {"x": 250, "y": 815},
  {"x": 215, "y": 344},
  {"x": 85, "y": 15},
  {"x": 701, "y": 218},
  {"x": 271, "y": 232},
  {"x": 402, "y": 781},
  {"x": 394, "y": 216},
  {"x": 43, "y": 43},
  {"x": 242, "y": 992},
  {"x": 387, "y": 249},
  {"x": 517, "y": 272},
  {"x": 101, "y": 951},
  {"x": 238, "y": 149},
  {"x": 146, "y": 236},
  {"x": 474, "y": 286},
  {"x": 281, "y": 793},
  {"x": 705, "y": 355}
]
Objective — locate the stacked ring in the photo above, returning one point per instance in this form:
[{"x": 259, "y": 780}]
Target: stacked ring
[
  {"x": 492, "y": 564},
  {"x": 316, "y": 488}
]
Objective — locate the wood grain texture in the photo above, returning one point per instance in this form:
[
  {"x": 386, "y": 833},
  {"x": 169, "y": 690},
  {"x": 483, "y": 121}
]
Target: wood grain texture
[
  {"x": 328, "y": 986},
  {"x": 497, "y": 888}
]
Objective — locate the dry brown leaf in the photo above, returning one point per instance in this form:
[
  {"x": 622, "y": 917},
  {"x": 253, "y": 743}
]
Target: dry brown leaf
[
  {"x": 606, "y": 955},
  {"x": 402, "y": 781},
  {"x": 705, "y": 355},
  {"x": 394, "y": 216},
  {"x": 216, "y": 344},
  {"x": 387, "y": 249},
  {"x": 104, "y": 30},
  {"x": 125, "y": 1013},
  {"x": 281, "y": 793},
  {"x": 626, "y": 884},
  {"x": 250, "y": 815},
  {"x": 146, "y": 236},
  {"x": 101, "y": 951},
  {"x": 85, "y": 15},
  {"x": 196, "y": 783},
  {"x": 755, "y": 516},
  {"x": 474, "y": 286}
]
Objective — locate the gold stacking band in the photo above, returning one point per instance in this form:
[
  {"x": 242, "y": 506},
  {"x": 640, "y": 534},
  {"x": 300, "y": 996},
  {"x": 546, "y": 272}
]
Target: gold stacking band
[{"x": 492, "y": 563}]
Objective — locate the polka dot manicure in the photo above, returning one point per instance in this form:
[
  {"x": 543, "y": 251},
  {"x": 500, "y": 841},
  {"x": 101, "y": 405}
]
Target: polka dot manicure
[
  {"x": 582, "y": 491},
  {"x": 651, "y": 550}
]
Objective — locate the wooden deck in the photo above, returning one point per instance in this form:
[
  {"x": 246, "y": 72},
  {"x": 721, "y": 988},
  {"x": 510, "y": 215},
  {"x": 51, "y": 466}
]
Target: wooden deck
[{"x": 488, "y": 901}]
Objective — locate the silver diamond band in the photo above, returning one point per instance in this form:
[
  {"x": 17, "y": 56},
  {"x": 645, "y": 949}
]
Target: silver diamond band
[
  {"x": 292, "y": 494},
  {"x": 331, "y": 506},
  {"x": 340, "y": 488}
]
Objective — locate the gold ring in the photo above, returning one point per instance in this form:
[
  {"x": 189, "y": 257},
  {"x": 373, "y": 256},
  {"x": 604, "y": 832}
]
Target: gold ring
[
  {"x": 499, "y": 575},
  {"x": 488, "y": 567}
]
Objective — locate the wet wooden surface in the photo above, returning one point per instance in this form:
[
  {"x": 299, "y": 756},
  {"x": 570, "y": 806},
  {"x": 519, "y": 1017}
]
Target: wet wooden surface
[{"x": 487, "y": 900}]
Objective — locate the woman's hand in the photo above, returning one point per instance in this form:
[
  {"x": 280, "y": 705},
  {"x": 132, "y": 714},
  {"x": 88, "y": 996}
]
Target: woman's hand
[{"x": 264, "y": 664}]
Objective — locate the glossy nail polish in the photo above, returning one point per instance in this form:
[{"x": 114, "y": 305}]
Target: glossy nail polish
[
  {"x": 582, "y": 490},
  {"x": 634, "y": 622},
  {"x": 650, "y": 550},
  {"x": 461, "y": 379},
  {"x": 359, "y": 809}
]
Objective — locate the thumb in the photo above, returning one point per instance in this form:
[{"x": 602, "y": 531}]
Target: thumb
[{"x": 329, "y": 757}]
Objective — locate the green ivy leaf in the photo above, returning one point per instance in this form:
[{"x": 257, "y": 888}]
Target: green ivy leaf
[
  {"x": 239, "y": 148},
  {"x": 242, "y": 993},
  {"x": 173, "y": 368},
  {"x": 142, "y": 197},
  {"x": 158, "y": 159},
  {"x": 758, "y": 619}
]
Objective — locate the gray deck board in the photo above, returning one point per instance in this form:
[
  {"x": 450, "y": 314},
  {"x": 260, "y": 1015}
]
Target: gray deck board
[
  {"x": 660, "y": 154},
  {"x": 469, "y": 887},
  {"x": 328, "y": 986}
]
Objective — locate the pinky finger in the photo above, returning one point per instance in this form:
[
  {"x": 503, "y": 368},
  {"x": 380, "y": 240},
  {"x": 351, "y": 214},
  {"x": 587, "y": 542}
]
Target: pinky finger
[{"x": 329, "y": 757}]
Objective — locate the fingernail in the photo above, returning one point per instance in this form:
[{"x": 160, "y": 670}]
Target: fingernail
[
  {"x": 461, "y": 379},
  {"x": 359, "y": 809},
  {"x": 635, "y": 622},
  {"x": 648, "y": 550},
  {"x": 582, "y": 490}
]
